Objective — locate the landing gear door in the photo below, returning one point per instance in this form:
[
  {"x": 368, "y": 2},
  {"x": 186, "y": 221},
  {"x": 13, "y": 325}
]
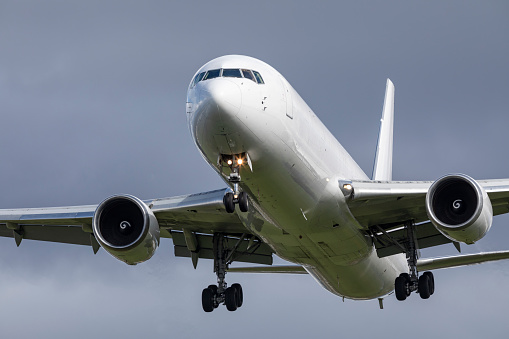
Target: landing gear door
[{"x": 288, "y": 98}]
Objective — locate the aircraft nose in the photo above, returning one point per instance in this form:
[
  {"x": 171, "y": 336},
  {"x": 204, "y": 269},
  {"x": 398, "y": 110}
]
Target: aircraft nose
[{"x": 223, "y": 95}]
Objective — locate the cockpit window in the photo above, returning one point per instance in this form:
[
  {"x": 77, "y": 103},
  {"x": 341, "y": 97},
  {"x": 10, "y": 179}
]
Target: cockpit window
[
  {"x": 231, "y": 73},
  {"x": 248, "y": 75},
  {"x": 213, "y": 73},
  {"x": 258, "y": 77},
  {"x": 197, "y": 79},
  {"x": 228, "y": 73}
]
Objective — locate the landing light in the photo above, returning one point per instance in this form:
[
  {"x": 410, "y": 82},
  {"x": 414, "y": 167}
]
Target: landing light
[
  {"x": 239, "y": 161},
  {"x": 229, "y": 162},
  {"x": 346, "y": 187}
]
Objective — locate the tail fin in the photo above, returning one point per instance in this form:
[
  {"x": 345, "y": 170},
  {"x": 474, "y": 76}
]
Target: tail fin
[{"x": 382, "y": 169}]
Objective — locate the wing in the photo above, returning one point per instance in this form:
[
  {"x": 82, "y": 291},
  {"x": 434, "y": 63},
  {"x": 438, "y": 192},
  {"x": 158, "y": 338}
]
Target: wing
[
  {"x": 378, "y": 202},
  {"x": 190, "y": 220},
  {"x": 384, "y": 207}
]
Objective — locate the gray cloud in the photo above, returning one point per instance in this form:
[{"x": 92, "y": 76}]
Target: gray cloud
[{"x": 92, "y": 98}]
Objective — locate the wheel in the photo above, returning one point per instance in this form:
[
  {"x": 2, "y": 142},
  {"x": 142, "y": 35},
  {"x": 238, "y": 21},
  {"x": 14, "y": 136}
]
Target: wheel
[
  {"x": 406, "y": 276},
  {"x": 243, "y": 202},
  {"x": 229, "y": 205},
  {"x": 207, "y": 300},
  {"x": 400, "y": 288},
  {"x": 240, "y": 295},
  {"x": 432, "y": 282},
  {"x": 213, "y": 288},
  {"x": 424, "y": 286},
  {"x": 230, "y": 299}
]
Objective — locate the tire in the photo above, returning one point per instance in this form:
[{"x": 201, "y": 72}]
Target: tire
[
  {"x": 424, "y": 286},
  {"x": 230, "y": 299},
  {"x": 400, "y": 288},
  {"x": 207, "y": 300},
  {"x": 213, "y": 288},
  {"x": 432, "y": 282},
  {"x": 406, "y": 276},
  {"x": 229, "y": 205},
  {"x": 240, "y": 294},
  {"x": 243, "y": 202}
]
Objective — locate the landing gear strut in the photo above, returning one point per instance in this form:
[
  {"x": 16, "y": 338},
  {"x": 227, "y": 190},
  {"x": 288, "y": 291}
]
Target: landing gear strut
[
  {"x": 406, "y": 283},
  {"x": 237, "y": 197},
  {"x": 214, "y": 295}
]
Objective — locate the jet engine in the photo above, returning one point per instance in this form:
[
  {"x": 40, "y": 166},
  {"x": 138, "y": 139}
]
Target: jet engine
[
  {"x": 459, "y": 208},
  {"x": 126, "y": 228}
]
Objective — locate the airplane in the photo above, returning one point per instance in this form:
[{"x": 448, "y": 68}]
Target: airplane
[{"x": 291, "y": 190}]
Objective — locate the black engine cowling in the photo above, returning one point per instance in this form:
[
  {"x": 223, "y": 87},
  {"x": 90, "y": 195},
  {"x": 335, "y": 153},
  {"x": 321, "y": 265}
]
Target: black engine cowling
[
  {"x": 126, "y": 228},
  {"x": 459, "y": 208}
]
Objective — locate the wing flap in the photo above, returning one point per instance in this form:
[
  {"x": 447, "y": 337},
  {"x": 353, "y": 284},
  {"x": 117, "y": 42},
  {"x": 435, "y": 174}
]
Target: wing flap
[
  {"x": 61, "y": 234},
  {"x": 244, "y": 249}
]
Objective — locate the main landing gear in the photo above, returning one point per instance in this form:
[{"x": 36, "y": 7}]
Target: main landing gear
[
  {"x": 407, "y": 283},
  {"x": 214, "y": 295},
  {"x": 237, "y": 197}
]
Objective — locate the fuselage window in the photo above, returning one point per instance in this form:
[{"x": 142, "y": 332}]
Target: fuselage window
[
  {"x": 248, "y": 75},
  {"x": 197, "y": 79},
  {"x": 258, "y": 77},
  {"x": 213, "y": 73},
  {"x": 231, "y": 73}
]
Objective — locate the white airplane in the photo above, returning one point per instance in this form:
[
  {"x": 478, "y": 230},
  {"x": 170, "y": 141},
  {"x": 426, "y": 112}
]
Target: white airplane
[{"x": 293, "y": 191}]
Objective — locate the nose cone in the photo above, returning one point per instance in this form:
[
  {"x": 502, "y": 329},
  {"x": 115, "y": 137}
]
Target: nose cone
[
  {"x": 215, "y": 113},
  {"x": 222, "y": 96}
]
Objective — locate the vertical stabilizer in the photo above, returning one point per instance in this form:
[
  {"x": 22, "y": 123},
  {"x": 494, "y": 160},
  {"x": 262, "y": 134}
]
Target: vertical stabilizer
[{"x": 382, "y": 169}]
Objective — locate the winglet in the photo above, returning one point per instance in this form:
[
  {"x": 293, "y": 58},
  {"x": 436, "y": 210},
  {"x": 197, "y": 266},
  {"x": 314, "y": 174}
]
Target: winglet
[{"x": 382, "y": 169}]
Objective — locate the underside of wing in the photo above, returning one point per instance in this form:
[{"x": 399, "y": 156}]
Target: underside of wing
[
  {"x": 390, "y": 202},
  {"x": 385, "y": 207},
  {"x": 191, "y": 220},
  {"x": 71, "y": 225},
  {"x": 291, "y": 269},
  {"x": 202, "y": 212}
]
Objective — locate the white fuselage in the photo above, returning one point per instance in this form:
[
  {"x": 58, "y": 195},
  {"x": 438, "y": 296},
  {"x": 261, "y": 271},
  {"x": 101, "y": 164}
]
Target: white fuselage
[{"x": 297, "y": 206}]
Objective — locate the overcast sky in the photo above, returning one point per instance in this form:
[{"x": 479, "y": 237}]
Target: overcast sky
[{"x": 92, "y": 103}]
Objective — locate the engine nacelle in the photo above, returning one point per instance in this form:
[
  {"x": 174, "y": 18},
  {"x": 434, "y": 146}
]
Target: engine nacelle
[
  {"x": 459, "y": 208},
  {"x": 126, "y": 228}
]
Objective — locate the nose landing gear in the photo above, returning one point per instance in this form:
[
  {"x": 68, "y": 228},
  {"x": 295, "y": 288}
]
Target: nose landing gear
[{"x": 237, "y": 197}]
